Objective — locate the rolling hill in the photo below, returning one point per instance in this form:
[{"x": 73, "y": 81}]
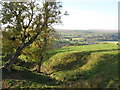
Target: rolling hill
[{"x": 88, "y": 66}]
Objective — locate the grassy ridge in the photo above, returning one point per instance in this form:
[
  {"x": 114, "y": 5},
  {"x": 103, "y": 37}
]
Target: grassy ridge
[
  {"x": 88, "y": 66},
  {"x": 95, "y": 48},
  {"x": 85, "y": 64}
]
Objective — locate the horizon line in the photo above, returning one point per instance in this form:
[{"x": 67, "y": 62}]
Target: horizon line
[{"x": 86, "y": 29}]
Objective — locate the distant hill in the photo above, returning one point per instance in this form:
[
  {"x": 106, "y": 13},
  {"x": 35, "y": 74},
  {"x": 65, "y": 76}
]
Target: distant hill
[
  {"x": 85, "y": 37},
  {"x": 88, "y": 31},
  {"x": 102, "y": 30}
]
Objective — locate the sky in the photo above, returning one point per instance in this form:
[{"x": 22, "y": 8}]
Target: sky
[{"x": 90, "y": 14}]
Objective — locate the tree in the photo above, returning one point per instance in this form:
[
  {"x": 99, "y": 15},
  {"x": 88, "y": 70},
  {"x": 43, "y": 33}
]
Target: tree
[
  {"x": 26, "y": 21},
  {"x": 38, "y": 51},
  {"x": 43, "y": 44}
]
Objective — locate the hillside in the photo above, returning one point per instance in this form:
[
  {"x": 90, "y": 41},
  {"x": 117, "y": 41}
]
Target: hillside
[{"x": 88, "y": 66}]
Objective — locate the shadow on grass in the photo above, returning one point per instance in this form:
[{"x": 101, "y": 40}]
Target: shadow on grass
[
  {"x": 104, "y": 50},
  {"x": 107, "y": 66},
  {"x": 103, "y": 74},
  {"x": 67, "y": 50},
  {"x": 81, "y": 59},
  {"x": 29, "y": 76}
]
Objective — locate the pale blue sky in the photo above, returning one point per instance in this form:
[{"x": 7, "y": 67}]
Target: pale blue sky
[{"x": 90, "y": 14}]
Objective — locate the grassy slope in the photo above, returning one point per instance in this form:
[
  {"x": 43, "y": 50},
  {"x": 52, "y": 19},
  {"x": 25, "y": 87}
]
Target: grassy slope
[
  {"x": 91, "y": 65},
  {"x": 80, "y": 66}
]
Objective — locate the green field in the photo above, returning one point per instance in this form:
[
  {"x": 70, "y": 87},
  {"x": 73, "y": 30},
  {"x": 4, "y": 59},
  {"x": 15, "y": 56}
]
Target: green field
[
  {"x": 88, "y": 66},
  {"x": 78, "y": 37}
]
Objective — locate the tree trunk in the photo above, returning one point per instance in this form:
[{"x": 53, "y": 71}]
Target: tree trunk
[
  {"x": 12, "y": 60},
  {"x": 40, "y": 64},
  {"x": 19, "y": 49}
]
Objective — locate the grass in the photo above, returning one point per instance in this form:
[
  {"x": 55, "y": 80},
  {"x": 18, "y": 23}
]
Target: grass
[
  {"x": 20, "y": 78},
  {"x": 85, "y": 64},
  {"x": 79, "y": 39},
  {"x": 100, "y": 47},
  {"x": 88, "y": 66}
]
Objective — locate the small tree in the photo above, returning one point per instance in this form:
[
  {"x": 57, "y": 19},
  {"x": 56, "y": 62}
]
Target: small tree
[
  {"x": 44, "y": 43},
  {"x": 38, "y": 51},
  {"x": 26, "y": 21}
]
